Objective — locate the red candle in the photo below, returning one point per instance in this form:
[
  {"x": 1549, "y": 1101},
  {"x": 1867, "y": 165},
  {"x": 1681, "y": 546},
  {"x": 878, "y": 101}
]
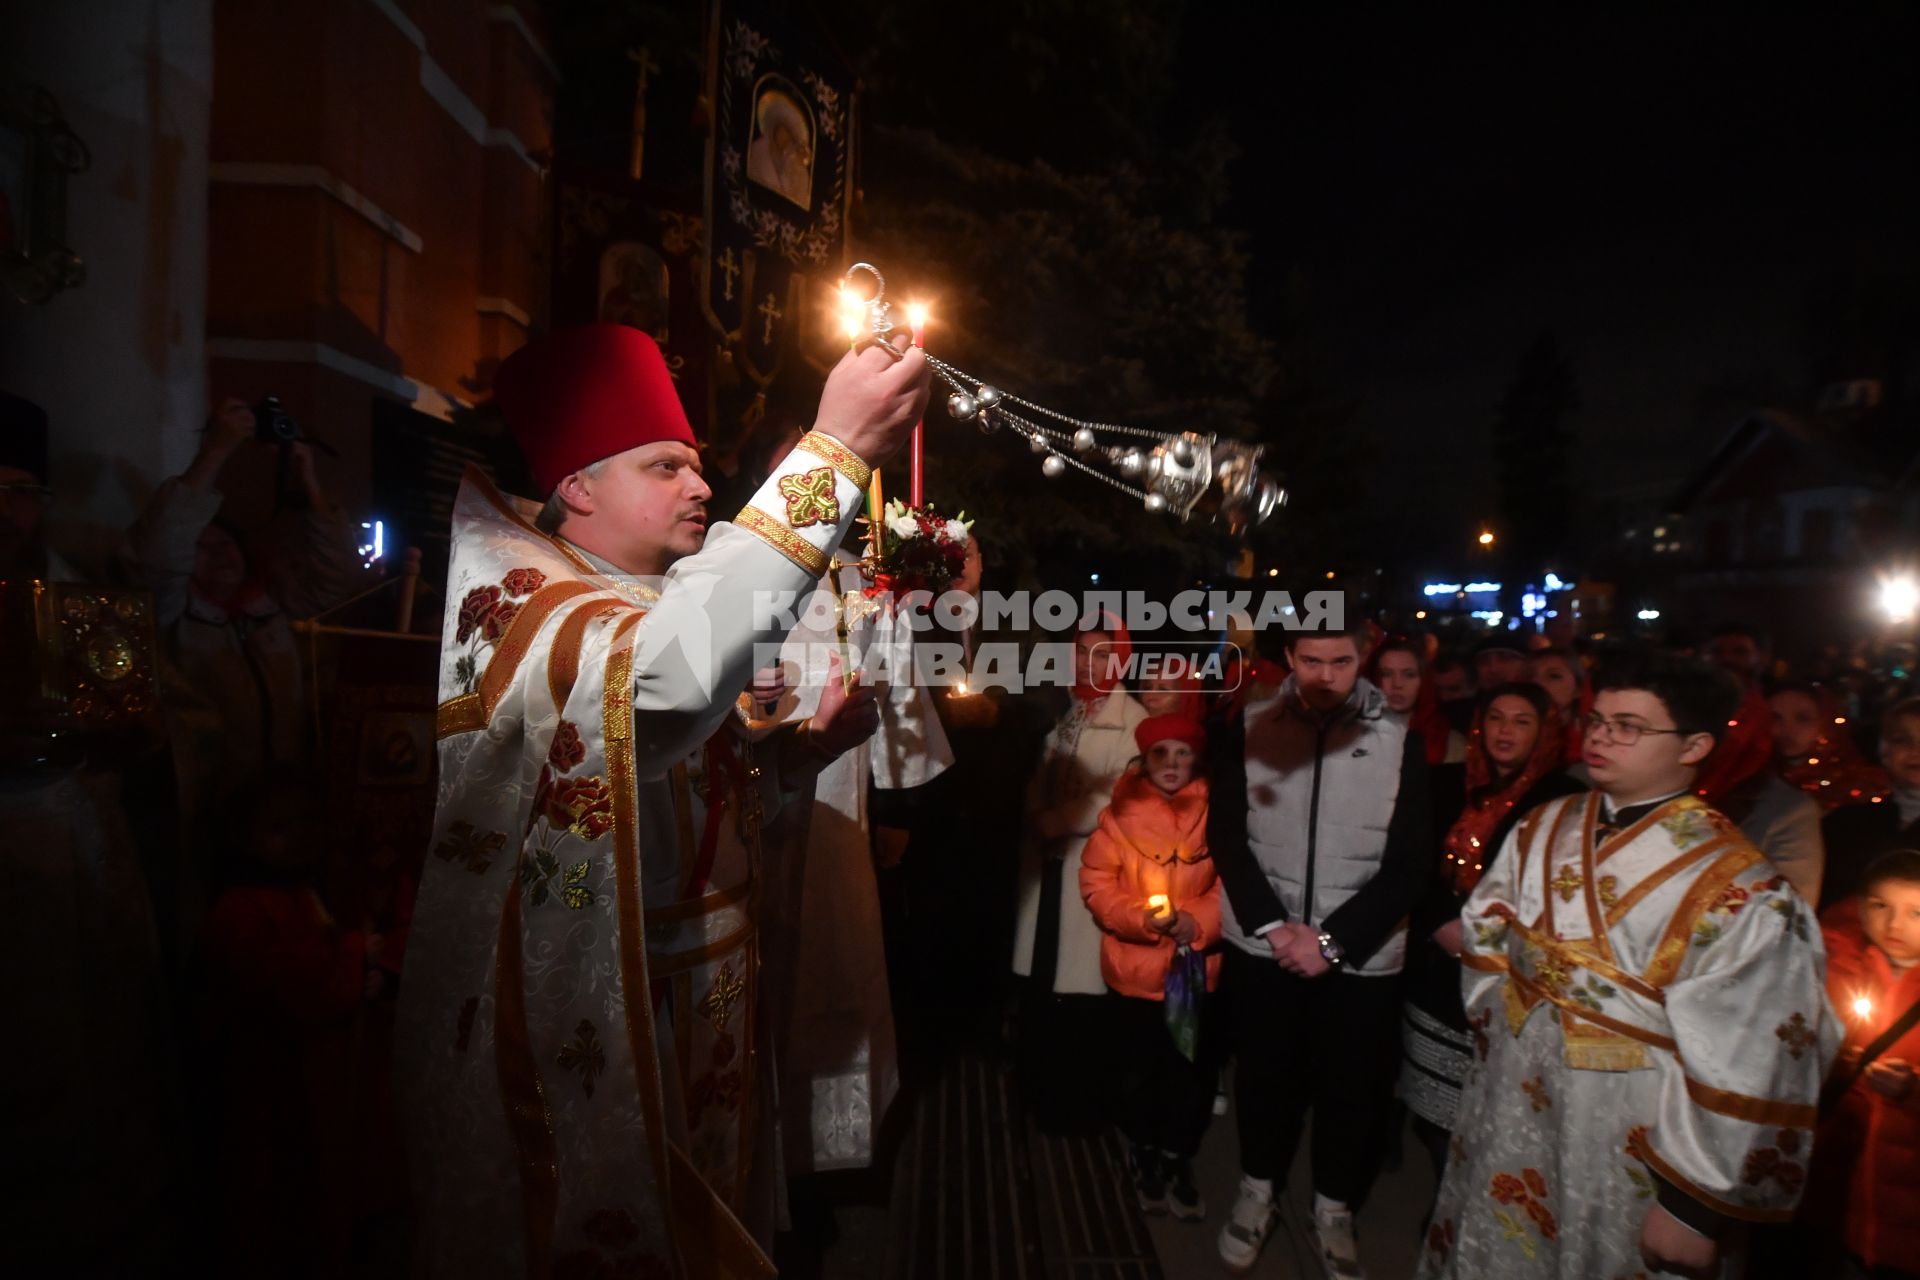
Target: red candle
[{"x": 917, "y": 317}]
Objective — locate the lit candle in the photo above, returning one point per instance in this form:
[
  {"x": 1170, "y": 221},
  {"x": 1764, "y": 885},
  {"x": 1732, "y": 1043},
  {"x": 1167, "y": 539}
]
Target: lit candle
[
  {"x": 1158, "y": 905},
  {"x": 853, "y": 316},
  {"x": 1863, "y": 1008},
  {"x": 916, "y": 317}
]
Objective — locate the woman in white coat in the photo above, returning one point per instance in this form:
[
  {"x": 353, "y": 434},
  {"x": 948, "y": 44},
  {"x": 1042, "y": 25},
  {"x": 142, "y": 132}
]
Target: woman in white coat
[{"x": 1056, "y": 945}]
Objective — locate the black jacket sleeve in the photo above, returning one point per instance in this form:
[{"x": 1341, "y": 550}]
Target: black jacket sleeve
[
  {"x": 1369, "y": 917},
  {"x": 1446, "y": 797},
  {"x": 1255, "y": 904},
  {"x": 1708, "y": 1222}
]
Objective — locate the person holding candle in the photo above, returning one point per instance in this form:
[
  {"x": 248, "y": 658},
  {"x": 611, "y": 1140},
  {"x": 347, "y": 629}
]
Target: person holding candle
[
  {"x": 1870, "y": 1135},
  {"x": 1149, "y": 882}
]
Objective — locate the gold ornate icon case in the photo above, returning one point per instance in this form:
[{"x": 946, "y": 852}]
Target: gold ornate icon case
[{"x": 97, "y": 652}]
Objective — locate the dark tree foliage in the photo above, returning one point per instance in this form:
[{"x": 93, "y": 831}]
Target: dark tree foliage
[
  {"x": 1532, "y": 448},
  {"x": 1025, "y": 167},
  {"x": 1020, "y": 174}
]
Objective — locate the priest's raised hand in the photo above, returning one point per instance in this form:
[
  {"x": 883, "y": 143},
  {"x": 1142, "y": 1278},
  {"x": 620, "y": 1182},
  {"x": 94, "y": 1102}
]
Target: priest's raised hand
[{"x": 872, "y": 400}]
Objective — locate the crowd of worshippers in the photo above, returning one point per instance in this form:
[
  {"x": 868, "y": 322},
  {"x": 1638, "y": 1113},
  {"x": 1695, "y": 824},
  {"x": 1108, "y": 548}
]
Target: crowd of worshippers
[{"x": 1626, "y": 938}]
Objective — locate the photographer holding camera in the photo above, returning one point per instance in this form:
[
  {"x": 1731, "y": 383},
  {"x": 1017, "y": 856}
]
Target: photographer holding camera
[{"x": 224, "y": 614}]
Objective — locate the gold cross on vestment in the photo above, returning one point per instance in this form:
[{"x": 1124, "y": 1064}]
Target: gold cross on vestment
[
  {"x": 772, "y": 312},
  {"x": 1552, "y": 971},
  {"x": 1567, "y": 883},
  {"x": 730, "y": 268},
  {"x": 810, "y": 499},
  {"x": 1609, "y": 888},
  {"x": 717, "y": 1005}
]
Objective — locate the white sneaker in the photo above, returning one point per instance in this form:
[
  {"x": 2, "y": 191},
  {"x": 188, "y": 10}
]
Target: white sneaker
[
  {"x": 1247, "y": 1228},
  {"x": 1339, "y": 1249}
]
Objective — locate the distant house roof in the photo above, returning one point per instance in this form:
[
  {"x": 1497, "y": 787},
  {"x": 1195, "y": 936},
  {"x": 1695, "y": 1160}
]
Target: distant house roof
[{"x": 1773, "y": 451}]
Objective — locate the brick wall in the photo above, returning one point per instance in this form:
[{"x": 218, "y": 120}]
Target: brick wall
[{"x": 376, "y": 211}]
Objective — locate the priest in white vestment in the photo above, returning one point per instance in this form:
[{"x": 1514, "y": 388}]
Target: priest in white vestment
[{"x": 580, "y": 1049}]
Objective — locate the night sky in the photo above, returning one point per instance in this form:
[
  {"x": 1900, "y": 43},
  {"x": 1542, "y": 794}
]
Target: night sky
[{"x": 1670, "y": 193}]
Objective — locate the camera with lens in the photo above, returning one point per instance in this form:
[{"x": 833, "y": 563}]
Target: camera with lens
[{"x": 273, "y": 424}]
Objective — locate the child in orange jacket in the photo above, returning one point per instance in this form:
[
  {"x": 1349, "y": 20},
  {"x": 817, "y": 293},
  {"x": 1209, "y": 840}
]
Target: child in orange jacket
[{"x": 1146, "y": 876}]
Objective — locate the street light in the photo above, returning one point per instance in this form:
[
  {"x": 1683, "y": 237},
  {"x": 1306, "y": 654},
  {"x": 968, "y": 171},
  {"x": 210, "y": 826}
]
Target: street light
[{"x": 1486, "y": 537}]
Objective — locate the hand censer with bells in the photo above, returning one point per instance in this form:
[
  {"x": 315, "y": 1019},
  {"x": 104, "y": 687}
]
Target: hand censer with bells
[{"x": 1187, "y": 474}]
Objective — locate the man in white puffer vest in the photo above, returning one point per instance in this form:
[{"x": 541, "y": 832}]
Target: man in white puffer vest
[{"x": 1320, "y": 830}]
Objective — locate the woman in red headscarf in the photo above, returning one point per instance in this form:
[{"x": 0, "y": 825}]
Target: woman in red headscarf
[
  {"x": 1399, "y": 670},
  {"x": 1814, "y": 752},
  {"x": 1514, "y": 763},
  {"x": 1056, "y": 948},
  {"x": 1559, "y": 672}
]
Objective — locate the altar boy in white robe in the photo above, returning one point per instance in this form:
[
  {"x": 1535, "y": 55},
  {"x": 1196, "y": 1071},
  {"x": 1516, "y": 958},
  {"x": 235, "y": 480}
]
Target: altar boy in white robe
[{"x": 1647, "y": 998}]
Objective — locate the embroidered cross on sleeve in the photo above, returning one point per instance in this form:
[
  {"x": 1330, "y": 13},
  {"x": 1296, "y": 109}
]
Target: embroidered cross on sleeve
[{"x": 810, "y": 499}]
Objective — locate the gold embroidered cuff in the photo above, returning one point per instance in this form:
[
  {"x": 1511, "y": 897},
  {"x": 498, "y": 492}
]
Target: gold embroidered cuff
[
  {"x": 843, "y": 459},
  {"x": 784, "y": 540}
]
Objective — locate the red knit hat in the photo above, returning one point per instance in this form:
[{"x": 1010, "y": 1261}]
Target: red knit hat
[
  {"x": 584, "y": 394},
  {"x": 1162, "y": 728}
]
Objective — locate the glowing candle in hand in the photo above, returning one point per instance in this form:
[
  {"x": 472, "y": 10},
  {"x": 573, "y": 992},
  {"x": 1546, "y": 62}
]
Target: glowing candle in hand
[
  {"x": 1862, "y": 1008},
  {"x": 853, "y": 315},
  {"x": 876, "y": 512},
  {"x": 1158, "y": 905},
  {"x": 917, "y": 318}
]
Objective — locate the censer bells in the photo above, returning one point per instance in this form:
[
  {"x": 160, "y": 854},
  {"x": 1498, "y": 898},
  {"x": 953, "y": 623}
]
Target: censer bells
[{"x": 1187, "y": 474}]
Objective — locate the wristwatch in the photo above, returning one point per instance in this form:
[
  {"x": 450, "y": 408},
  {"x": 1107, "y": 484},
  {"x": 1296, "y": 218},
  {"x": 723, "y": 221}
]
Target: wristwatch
[{"x": 1330, "y": 951}]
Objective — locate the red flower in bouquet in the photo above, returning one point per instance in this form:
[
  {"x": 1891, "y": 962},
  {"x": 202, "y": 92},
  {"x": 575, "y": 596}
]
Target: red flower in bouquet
[{"x": 920, "y": 550}]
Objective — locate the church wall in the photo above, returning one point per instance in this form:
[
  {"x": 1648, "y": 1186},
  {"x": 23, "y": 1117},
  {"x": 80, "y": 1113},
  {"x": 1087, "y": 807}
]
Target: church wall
[
  {"x": 119, "y": 362},
  {"x": 373, "y": 183},
  {"x": 335, "y": 201}
]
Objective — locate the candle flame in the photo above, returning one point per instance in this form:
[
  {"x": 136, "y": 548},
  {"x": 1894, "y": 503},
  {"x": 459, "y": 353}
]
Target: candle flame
[
  {"x": 1862, "y": 1008},
  {"x": 853, "y": 313},
  {"x": 1157, "y": 903},
  {"x": 960, "y": 689},
  {"x": 917, "y": 315}
]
